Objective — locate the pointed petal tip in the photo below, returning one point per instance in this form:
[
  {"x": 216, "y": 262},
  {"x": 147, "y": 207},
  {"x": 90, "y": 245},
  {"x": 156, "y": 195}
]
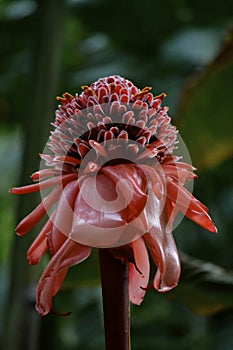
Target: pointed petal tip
[
  {"x": 12, "y": 190},
  {"x": 209, "y": 225},
  {"x": 31, "y": 260},
  {"x": 42, "y": 311},
  {"x": 24, "y": 189},
  {"x": 17, "y": 231},
  {"x": 213, "y": 229},
  {"x": 136, "y": 300}
]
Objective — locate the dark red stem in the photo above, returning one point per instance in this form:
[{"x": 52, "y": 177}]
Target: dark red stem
[{"x": 114, "y": 279}]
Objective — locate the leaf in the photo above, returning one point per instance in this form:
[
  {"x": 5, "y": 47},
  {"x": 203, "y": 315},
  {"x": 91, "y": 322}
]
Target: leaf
[
  {"x": 205, "y": 111},
  {"x": 204, "y": 287}
]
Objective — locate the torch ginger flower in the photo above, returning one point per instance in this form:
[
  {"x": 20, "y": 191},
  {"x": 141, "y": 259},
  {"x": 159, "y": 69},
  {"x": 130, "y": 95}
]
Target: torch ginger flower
[{"x": 117, "y": 185}]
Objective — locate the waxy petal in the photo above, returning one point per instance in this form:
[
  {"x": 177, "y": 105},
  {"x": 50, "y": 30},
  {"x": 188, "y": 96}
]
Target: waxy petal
[
  {"x": 38, "y": 175},
  {"x": 63, "y": 217},
  {"x": 65, "y": 207},
  {"x": 96, "y": 217},
  {"x": 132, "y": 199},
  {"x": 37, "y": 214},
  {"x": 161, "y": 245},
  {"x": 107, "y": 214},
  {"x": 139, "y": 274},
  {"x": 58, "y": 180},
  {"x": 133, "y": 189},
  {"x": 157, "y": 183},
  {"x": 182, "y": 175},
  {"x": 164, "y": 253},
  {"x": 69, "y": 254},
  {"x": 39, "y": 245},
  {"x": 189, "y": 205},
  {"x": 202, "y": 219},
  {"x": 55, "y": 239}
]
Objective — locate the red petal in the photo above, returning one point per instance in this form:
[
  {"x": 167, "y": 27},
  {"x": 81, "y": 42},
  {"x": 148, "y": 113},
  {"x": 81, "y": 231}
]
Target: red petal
[
  {"x": 162, "y": 246},
  {"x": 178, "y": 173},
  {"x": 65, "y": 208},
  {"x": 183, "y": 165},
  {"x": 62, "y": 179},
  {"x": 171, "y": 211},
  {"x": 138, "y": 280},
  {"x": 55, "y": 240},
  {"x": 68, "y": 160},
  {"x": 164, "y": 253},
  {"x": 50, "y": 282},
  {"x": 182, "y": 197},
  {"x": 133, "y": 189},
  {"x": 156, "y": 180},
  {"x": 97, "y": 222},
  {"x": 44, "y": 173},
  {"x": 189, "y": 205},
  {"x": 39, "y": 246},
  {"x": 37, "y": 214},
  {"x": 63, "y": 218},
  {"x": 202, "y": 219}
]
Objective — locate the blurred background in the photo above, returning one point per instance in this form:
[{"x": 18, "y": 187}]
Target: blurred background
[{"x": 183, "y": 48}]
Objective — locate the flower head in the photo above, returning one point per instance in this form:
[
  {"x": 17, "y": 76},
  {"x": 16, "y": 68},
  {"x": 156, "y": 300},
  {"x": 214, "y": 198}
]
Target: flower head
[{"x": 116, "y": 185}]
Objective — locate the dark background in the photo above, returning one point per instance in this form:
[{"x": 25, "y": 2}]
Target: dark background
[{"x": 183, "y": 48}]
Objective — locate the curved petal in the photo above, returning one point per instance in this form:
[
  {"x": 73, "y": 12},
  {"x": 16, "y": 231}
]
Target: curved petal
[
  {"x": 156, "y": 180},
  {"x": 65, "y": 208},
  {"x": 189, "y": 205},
  {"x": 178, "y": 173},
  {"x": 62, "y": 221},
  {"x": 133, "y": 189},
  {"x": 161, "y": 244},
  {"x": 95, "y": 223},
  {"x": 171, "y": 212},
  {"x": 70, "y": 253},
  {"x": 40, "y": 174},
  {"x": 39, "y": 245},
  {"x": 164, "y": 254},
  {"x": 139, "y": 274},
  {"x": 57, "y": 180},
  {"x": 202, "y": 219},
  {"x": 37, "y": 214},
  {"x": 55, "y": 239}
]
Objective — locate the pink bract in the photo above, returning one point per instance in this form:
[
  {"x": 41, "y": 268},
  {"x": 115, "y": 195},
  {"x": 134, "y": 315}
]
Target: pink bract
[{"x": 131, "y": 138}]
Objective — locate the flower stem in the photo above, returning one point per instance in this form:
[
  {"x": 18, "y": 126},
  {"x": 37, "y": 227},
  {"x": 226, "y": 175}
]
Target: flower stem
[{"x": 114, "y": 279}]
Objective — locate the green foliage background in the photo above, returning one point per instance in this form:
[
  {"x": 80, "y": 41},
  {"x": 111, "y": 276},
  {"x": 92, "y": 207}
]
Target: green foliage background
[{"x": 181, "y": 47}]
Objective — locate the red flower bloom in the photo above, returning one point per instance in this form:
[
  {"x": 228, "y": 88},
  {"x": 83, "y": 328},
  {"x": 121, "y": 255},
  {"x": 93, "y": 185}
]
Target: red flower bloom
[{"x": 116, "y": 186}]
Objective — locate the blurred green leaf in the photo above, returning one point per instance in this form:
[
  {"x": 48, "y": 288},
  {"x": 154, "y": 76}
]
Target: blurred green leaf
[
  {"x": 205, "y": 112},
  {"x": 15, "y": 10},
  {"x": 157, "y": 46},
  {"x": 9, "y": 158},
  {"x": 204, "y": 287}
]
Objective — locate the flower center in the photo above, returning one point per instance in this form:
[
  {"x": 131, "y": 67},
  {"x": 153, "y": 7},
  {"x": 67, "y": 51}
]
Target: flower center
[{"x": 120, "y": 122}]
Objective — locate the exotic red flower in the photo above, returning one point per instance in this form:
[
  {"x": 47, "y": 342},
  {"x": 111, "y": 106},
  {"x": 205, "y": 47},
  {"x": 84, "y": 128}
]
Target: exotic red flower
[{"x": 116, "y": 186}]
